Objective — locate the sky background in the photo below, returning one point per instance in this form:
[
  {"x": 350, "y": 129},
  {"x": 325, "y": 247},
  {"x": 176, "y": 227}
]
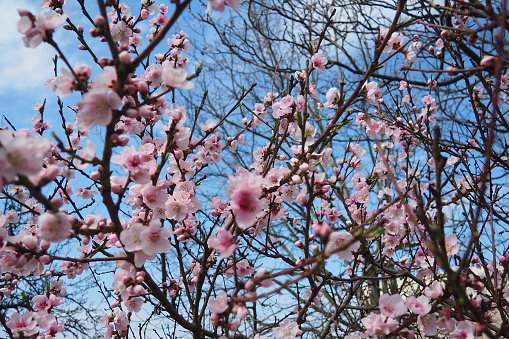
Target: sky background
[{"x": 23, "y": 71}]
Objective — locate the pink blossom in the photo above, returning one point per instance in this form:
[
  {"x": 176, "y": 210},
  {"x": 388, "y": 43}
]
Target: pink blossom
[
  {"x": 154, "y": 238},
  {"x": 428, "y": 324},
  {"x": 332, "y": 97},
  {"x": 218, "y": 5},
  {"x": 242, "y": 269},
  {"x": 4, "y": 235},
  {"x": 54, "y": 227},
  {"x": 342, "y": 244},
  {"x": 419, "y": 305},
  {"x": 96, "y": 109},
  {"x": 21, "y": 153},
  {"x": 464, "y": 330},
  {"x": 131, "y": 237},
  {"x": 287, "y": 330},
  {"x": 218, "y": 304},
  {"x": 392, "y": 305},
  {"x": 133, "y": 304},
  {"x": 44, "y": 319},
  {"x": 23, "y": 324},
  {"x": 379, "y": 324},
  {"x": 88, "y": 153},
  {"x": 121, "y": 32},
  {"x": 488, "y": 61},
  {"x": 372, "y": 92},
  {"x": 319, "y": 62},
  {"x": 223, "y": 243},
  {"x": 63, "y": 85},
  {"x": 434, "y": 291},
  {"x": 36, "y": 27},
  {"x": 394, "y": 42},
  {"x": 451, "y": 244},
  {"x": 245, "y": 190},
  {"x": 175, "y": 210},
  {"x": 175, "y": 77},
  {"x": 154, "y": 197},
  {"x": 41, "y": 303}
]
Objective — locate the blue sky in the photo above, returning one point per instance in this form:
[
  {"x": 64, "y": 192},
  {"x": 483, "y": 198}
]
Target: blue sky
[{"x": 23, "y": 71}]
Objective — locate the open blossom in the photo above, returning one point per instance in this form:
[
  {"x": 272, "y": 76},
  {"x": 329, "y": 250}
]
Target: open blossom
[
  {"x": 63, "y": 85},
  {"x": 41, "y": 303},
  {"x": 24, "y": 324},
  {"x": 319, "y": 62},
  {"x": 133, "y": 304},
  {"x": 428, "y": 324},
  {"x": 287, "y": 330},
  {"x": 121, "y": 32},
  {"x": 451, "y": 244},
  {"x": 96, "y": 109},
  {"x": 175, "y": 77},
  {"x": 245, "y": 190},
  {"x": 332, "y": 97},
  {"x": 419, "y": 305},
  {"x": 154, "y": 238},
  {"x": 218, "y": 5},
  {"x": 21, "y": 153},
  {"x": 394, "y": 42},
  {"x": 379, "y": 324},
  {"x": 223, "y": 243},
  {"x": 218, "y": 304},
  {"x": 151, "y": 239},
  {"x": 392, "y": 305},
  {"x": 434, "y": 291},
  {"x": 372, "y": 92},
  {"x": 340, "y": 243},
  {"x": 36, "y": 27},
  {"x": 464, "y": 330},
  {"x": 87, "y": 154},
  {"x": 54, "y": 227}
]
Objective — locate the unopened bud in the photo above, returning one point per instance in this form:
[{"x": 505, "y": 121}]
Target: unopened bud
[{"x": 445, "y": 34}]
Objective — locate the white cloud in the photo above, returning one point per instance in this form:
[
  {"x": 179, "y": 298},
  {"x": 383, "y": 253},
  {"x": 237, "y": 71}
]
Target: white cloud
[{"x": 22, "y": 69}]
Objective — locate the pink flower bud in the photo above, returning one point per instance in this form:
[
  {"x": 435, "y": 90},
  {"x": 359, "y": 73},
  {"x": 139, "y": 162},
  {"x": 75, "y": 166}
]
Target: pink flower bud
[
  {"x": 45, "y": 259},
  {"x": 142, "y": 87},
  {"x": 115, "y": 303},
  {"x": 45, "y": 245},
  {"x": 488, "y": 61},
  {"x": 249, "y": 285},
  {"x": 122, "y": 140},
  {"x": 99, "y": 21},
  {"x": 103, "y": 62},
  {"x": 57, "y": 202},
  {"x": 450, "y": 70},
  {"x": 304, "y": 167},
  {"x": 124, "y": 57},
  {"x": 445, "y": 34}
]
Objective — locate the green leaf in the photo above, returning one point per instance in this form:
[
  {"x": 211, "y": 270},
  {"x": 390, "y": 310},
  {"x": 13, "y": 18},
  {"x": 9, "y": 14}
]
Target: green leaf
[
  {"x": 337, "y": 127},
  {"x": 374, "y": 231}
]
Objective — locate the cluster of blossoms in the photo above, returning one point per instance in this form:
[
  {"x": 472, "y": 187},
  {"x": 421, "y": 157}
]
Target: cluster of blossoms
[{"x": 300, "y": 202}]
